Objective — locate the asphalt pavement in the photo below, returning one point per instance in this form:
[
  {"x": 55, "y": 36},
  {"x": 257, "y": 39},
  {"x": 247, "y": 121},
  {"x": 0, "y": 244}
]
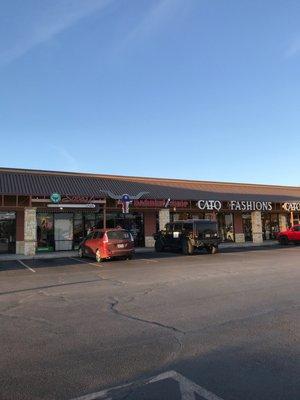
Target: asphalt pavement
[{"x": 224, "y": 326}]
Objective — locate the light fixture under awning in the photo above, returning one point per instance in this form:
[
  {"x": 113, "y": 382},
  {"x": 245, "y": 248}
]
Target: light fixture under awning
[{"x": 90, "y": 205}]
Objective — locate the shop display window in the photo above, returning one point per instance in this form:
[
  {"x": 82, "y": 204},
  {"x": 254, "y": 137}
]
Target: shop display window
[
  {"x": 226, "y": 227},
  {"x": 45, "y": 232}
]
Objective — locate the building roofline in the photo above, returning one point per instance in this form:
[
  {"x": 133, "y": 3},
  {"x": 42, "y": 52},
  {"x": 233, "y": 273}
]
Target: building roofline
[{"x": 140, "y": 178}]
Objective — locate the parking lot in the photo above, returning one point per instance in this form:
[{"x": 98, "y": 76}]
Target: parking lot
[{"x": 222, "y": 326}]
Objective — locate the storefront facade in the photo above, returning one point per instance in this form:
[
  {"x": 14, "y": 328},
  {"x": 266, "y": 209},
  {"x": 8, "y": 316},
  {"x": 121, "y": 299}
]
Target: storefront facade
[{"x": 50, "y": 211}]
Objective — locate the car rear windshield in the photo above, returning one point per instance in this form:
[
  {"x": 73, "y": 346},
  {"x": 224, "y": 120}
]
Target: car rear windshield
[{"x": 118, "y": 235}]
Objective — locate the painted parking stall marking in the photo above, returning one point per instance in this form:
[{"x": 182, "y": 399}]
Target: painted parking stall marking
[
  {"x": 26, "y": 266},
  {"x": 176, "y": 384}
]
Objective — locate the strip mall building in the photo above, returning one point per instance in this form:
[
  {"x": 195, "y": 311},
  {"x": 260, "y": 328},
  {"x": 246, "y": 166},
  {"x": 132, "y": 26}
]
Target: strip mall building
[{"x": 52, "y": 211}]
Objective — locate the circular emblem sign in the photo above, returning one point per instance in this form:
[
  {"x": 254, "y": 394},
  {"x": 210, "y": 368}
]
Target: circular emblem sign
[{"x": 55, "y": 198}]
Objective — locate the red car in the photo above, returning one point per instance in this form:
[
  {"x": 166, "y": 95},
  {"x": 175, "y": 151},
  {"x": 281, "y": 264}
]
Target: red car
[
  {"x": 107, "y": 243},
  {"x": 291, "y": 235}
]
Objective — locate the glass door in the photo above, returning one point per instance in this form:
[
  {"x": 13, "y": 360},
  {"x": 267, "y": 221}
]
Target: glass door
[
  {"x": 7, "y": 232},
  {"x": 63, "y": 231}
]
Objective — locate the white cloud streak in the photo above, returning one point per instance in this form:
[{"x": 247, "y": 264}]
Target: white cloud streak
[
  {"x": 68, "y": 161},
  {"x": 49, "y": 21}
]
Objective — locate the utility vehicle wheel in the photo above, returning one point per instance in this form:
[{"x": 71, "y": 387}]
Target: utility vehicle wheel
[
  {"x": 159, "y": 247},
  {"x": 212, "y": 249}
]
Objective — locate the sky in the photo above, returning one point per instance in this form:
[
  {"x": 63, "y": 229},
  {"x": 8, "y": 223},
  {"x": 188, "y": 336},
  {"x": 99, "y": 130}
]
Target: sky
[{"x": 188, "y": 89}]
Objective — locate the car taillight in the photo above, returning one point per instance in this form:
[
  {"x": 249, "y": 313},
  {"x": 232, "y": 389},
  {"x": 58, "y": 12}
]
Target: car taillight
[{"x": 105, "y": 238}]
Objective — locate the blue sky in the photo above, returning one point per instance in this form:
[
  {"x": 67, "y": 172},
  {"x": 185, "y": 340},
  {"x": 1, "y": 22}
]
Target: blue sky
[{"x": 200, "y": 89}]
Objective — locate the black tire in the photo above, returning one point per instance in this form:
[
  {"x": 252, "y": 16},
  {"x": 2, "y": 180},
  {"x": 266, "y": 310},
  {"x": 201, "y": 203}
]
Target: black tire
[
  {"x": 187, "y": 247},
  {"x": 130, "y": 257},
  {"x": 212, "y": 249},
  {"x": 283, "y": 240},
  {"x": 159, "y": 246}
]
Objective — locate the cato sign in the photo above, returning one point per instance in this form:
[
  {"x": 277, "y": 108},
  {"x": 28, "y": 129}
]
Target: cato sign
[{"x": 295, "y": 206}]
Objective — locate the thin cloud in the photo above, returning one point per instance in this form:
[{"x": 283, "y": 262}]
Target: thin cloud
[
  {"x": 155, "y": 19},
  {"x": 68, "y": 161},
  {"x": 49, "y": 22}
]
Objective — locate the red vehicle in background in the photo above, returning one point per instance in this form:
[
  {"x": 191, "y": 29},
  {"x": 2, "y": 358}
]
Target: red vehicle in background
[
  {"x": 291, "y": 235},
  {"x": 104, "y": 244}
]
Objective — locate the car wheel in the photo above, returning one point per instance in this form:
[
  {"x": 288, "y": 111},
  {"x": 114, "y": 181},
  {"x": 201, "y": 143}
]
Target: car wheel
[
  {"x": 130, "y": 257},
  {"x": 80, "y": 252},
  {"x": 98, "y": 256},
  {"x": 187, "y": 248},
  {"x": 283, "y": 240},
  {"x": 159, "y": 247}
]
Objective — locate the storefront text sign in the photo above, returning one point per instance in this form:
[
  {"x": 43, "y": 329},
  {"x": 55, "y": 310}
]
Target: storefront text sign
[
  {"x": 216, "y": 205},
  {"x": 295, "y": 206},
  {"x": 160, "y": 203},
  {"x": 210, "y": 205},
  {"x": 250, "y": 205}
]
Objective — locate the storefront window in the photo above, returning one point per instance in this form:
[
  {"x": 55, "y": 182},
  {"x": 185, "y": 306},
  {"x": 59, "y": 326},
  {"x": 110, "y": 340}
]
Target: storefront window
[
  {"x": 7, "y": 232},
  {"x": 270, "y": 225},
  {"x": 45, "y": 232},
  {"x": 247, "y": 226},
  {"x": 78, "y": 230},
  {"x": 225, "y": 224}
]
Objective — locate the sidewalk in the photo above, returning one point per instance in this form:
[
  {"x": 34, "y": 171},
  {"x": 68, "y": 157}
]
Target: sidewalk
[{"x": 139, "y": 250}]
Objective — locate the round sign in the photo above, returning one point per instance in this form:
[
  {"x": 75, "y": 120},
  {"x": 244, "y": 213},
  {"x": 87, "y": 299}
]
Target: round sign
[
  {"x": 55, "y": 198},
  {"x": 125, "y": 198}
]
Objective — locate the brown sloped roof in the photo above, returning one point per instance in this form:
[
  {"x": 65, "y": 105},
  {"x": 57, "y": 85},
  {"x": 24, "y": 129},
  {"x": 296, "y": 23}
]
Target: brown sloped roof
[{"x": 43, "y": 183}]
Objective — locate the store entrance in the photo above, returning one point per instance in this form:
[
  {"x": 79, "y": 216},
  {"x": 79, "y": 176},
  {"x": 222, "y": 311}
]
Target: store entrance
[
  {"x": 63, "y": 231},
  {"x": 7, "y": 232}
]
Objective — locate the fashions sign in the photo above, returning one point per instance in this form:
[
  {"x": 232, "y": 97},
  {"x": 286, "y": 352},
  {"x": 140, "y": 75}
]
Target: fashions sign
[
  {"x": 295, "y": 206},
  {"x": 216, "y": 205},
  {"x": 250, "y": 205}
]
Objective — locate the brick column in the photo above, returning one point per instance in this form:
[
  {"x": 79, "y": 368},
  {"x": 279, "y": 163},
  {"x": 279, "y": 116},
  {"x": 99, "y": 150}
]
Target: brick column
[
  {"x": 238, "y": 228},
  {"x": 29, "y": 231},
  {"x": 256, "y": 227},
  {"x": 149, "y": 227},
  {"x": 282, "y": 222},
  {"x": 164, "y": 218}
]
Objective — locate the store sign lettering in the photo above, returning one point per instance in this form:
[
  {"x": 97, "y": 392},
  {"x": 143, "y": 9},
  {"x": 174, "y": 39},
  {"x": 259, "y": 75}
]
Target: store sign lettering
[
  {"x": 209, "y": 205},
  {"x": 160, "y": 203},
  {"x": 216, "y": 205},
  {"x": 77, "y": 199},
  {"x": 295, "y": 206},
  {"x": 250, "y": 205}
]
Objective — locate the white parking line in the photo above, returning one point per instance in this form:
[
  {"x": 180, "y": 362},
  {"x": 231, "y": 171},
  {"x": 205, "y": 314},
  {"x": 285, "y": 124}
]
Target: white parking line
[
  {"x": 26, "y": 266},
  {"x": 188, "y": 388},
  {"x": 85, "y": 262}
]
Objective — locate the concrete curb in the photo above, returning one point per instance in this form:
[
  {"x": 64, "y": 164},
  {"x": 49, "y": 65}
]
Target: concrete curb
[{"x": 139, "y": 250}]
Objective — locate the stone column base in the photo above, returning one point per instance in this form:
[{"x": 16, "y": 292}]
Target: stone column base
[
  {"x": 239, "y": 238},
  {"x": 282, "y": 222},
  {"x": 20, "y": 247},
  {"x": 29, "y": 248},
  {"x": 257, "y": 238},
  {"x": 149, "y": 241}
]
